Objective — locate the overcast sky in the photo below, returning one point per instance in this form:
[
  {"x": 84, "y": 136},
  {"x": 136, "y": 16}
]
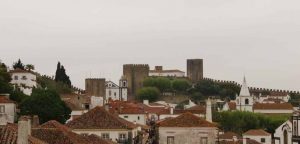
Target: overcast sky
[{"x": 94, "y": 38}]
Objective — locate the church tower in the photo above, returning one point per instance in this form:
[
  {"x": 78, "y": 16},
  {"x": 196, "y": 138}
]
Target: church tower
[
  {"x": 244, "y": 102},
  {"x": 123, "y": 86}
]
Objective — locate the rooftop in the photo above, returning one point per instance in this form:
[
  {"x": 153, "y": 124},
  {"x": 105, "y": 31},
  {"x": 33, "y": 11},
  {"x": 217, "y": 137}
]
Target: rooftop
[
  {"x": 186, "y": 120},
  {"x": 273, "y": 106},
  {"x": 256, "y": 132}
]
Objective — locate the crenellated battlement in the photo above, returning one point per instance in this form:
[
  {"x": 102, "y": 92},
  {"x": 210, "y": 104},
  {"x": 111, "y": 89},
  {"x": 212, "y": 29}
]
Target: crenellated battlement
[{"x": 254, "y": 89}]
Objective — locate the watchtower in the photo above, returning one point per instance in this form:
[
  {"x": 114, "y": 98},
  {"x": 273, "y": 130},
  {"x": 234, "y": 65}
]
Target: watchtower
[
  {"x": 135, "y": 75},
  {"x": 95, "y": 87},
  {"x": 195, "y": 69}
]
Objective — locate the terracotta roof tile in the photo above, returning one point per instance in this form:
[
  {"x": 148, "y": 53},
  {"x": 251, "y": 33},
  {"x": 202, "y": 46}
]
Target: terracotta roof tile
[
  {"x": 3, "y": 99},
  {"x": 232, "y": 105},
  {"x": 186, "y": 120},
  {"x": 55, "y": 133},
  {"x": 273, "y": 106},
  {"x": 98, "y": 118},
  {"x": 229, "y": 135},
  {"x": 256, "y": 132}
]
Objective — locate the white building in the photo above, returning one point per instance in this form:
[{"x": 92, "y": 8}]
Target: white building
[
  {"x": 158, "y": 71},
  {"x": 258, "y": 135},
  {"x": 244, "y": 102},
  {"x": 187, "y": 129},
  {"x": 7, "y": 110},
  {"x": 283, "y": 134},
  {"x": 24, "y": 80},
  {"x": 115, "y": 92},
  {"x": 100, "y": 122}
]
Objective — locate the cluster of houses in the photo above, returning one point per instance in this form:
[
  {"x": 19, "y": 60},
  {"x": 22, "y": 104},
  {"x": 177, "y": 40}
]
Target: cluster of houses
[{"x": 114, "y": 119}]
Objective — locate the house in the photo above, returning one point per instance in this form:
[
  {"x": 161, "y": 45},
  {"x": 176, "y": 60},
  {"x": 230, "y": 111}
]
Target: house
[
  {"x": 115, "y": 92},
  {"x": 24, "y": 80},
  {"x": 7, "y": 110},
  {"x": 101, "y": 122},
  {"x": 283, "y": 134},
  {"x": 273, "y": 108},
  {"x": 51, "y": 132},
  {"x": 258, "y": 135},
  {"x": 186, "y": 128},
  {"x": 160, "y": 72}
]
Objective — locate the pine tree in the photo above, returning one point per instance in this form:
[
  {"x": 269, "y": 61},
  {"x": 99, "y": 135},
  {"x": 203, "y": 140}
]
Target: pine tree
[{"x": 19, "y": 65}]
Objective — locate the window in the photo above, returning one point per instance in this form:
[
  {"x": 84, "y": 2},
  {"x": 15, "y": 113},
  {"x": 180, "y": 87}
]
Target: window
[
  {"x": 24, "y": 78},
  {"x": 16, "y": 78},
  {"x": 203, "y": 140},
  {"x": 125, "y": 116},
  {"x": 246, "y": 101},
  {"x": 263, "y": 140},
  {"x": 105, "y": 135},
  {"x": 138, "y": 117},
  {"x": 170, "y": 140},
  {"x": 109, "y": 92},
  {"x": 87, "y": 106},
  {"x": 122, "y": 136},
  {"x": 124, "y": 84},
  {"x": 295, "y": 131},
  {"x": 115, "y": 94},
  {"x": 2, "y": 109}
]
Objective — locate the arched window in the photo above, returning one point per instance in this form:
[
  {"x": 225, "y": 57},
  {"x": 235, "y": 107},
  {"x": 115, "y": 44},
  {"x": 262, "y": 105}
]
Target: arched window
[
  {"x": 285, "y": 137},
  {"x": 246, "y": 101}
]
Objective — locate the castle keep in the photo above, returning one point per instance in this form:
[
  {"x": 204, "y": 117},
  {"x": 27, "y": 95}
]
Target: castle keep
[
  {"x": 95, "y": 87},
  {"x": 135, "y": 75},
  {"x": 195, "y": 69}
]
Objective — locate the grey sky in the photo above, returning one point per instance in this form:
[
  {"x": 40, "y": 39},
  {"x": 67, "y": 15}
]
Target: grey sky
[{"x": 259, "y": 38}]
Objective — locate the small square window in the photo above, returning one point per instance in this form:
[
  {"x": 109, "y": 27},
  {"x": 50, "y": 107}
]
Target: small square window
[
  {"x": 263, "y": 140},
  {"x": 105, "y": 135},
  {"x": 170, "y": 140},
  {"x": 122, "y": 136},
  {"x": 16, "y": 78},
  {"x": 2, "y": 109}
]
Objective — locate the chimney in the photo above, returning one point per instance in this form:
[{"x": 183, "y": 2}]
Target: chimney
[
  {"x": 24, "y": 130},
  {"x": 234, "y": 138},
  {"x": 208, "y": 110},
  {"x": 35, "y": 121},
  {"x": 106, "y": 107},
  {"x": 146, "y": 102},
  {"x": 171, "y": 110}
]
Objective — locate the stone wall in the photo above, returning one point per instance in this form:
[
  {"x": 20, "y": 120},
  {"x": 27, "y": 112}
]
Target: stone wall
[
  {"x": 95, "y": 87},
  {"x": 195, "y": 69}
]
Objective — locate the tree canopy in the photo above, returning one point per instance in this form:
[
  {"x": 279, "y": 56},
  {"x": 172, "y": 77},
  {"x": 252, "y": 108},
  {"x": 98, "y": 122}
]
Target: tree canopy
[
  {"x": 181, "y": 85},
  {"x": 163, "y": 84},
  {"x": 61, "y": 76},
  {"x": 148, "y": 93},
  {"x": 47, "y": 105},
  {"x": 19, "y": 65},
  {"x": 241, "y": 122}
]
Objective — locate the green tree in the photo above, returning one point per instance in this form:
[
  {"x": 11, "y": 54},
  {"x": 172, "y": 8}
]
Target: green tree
[
  {"x": 241, "y": 122},
  {"x": 29, "y": 67},
  {"x": 197, "y": 96},
  {"x": 181, "y": 85},
  {"x": 60, "y": 75},
  {"x": 148, "y": 93},
  {"x": 47, "y": 105},
  {"x": 19, "y": 65},
  {"x": 5, "y": 78},
  {"x": 207, "y": 87},
  {"x": 163, "y": 84}
]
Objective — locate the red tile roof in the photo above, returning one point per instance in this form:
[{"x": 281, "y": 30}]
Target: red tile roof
[
  {"x": 229, "y": 135},
  {"x": 256, "y": 132},
  {"x": 55, "y": 133},
  {"x": 99, "y": 118},
  {"x": 186, "y": 120},
  {"x": 9, "y": 135},
  {"x": 232, "y": 105},
  {"x": 3, "y": 99},
  {"x": 273, "y": 106}
]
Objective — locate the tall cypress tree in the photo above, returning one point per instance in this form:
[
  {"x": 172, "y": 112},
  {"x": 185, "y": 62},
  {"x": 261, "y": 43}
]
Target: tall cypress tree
[
  {"x": 61, "y": 75},
  {"x": 19, "y": 65}
]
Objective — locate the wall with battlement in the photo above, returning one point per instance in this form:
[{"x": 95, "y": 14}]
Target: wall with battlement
[
  {"x": 255, "y": 90},
  {"x": 135, "y": 75}
]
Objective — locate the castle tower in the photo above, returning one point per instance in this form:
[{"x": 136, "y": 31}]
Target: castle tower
[
  {"x": 95, "y": 87},
  {"x": 245, "y": 101},
  {"x": 195, "y": 69},
  {"x": 135, "y": 75},
  {"x": 123, "y": 84}
]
